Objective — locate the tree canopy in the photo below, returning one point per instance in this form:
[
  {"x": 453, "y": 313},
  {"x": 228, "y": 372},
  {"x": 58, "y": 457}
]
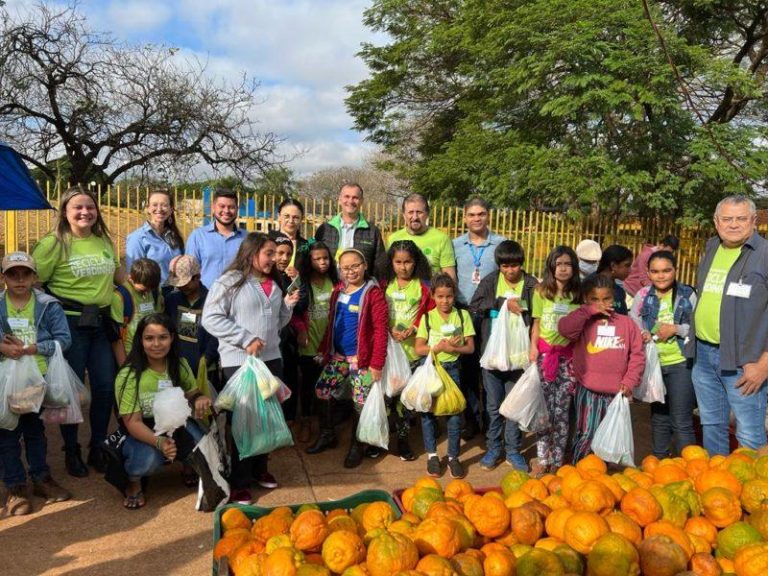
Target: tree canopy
[
  {"x": 570, "y": 104},
  {"x": 111, "y": 110}
]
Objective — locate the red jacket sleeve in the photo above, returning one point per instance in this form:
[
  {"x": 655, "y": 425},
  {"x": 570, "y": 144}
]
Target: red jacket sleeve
[
  {"x": 636, "y": 360},
  {"x": 325, "y": 344},
  {"x": 380, "y": 324},
  {"x": 425, "y": 305},
  {"x": 572, "y": 325}
]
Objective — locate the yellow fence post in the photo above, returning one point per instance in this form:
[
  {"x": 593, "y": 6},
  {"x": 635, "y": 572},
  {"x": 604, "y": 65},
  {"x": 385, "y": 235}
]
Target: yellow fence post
[{"x": 11, "y": 231}]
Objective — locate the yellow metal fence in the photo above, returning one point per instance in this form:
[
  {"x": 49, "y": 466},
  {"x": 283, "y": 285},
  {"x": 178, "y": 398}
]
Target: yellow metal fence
[{"x": 537, "y": 232}]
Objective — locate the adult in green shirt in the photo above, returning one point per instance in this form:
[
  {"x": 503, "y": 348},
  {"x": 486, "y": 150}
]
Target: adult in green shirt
[
  {"x": 434, "y": 243},
  {"x": 730, "y": 325},
  {"x": 76, "y": 263}
]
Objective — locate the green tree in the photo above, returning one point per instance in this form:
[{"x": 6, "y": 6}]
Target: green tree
[{"x": 570, "y": 104}]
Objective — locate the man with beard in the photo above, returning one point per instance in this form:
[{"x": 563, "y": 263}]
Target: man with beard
[
  {"x": 214, "y": 245},
  {"x": 434, "y": 243}
]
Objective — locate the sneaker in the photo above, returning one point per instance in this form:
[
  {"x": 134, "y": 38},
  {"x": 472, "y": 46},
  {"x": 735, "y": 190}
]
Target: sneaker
[
  {"x": 433, "y": 467},
  {"x": 490, "y": 460},
  {"x": 266, "y": 480},
  {"x": 50, "y": 491},
  {"x": 517, "y": 461},
  {"x": 404, "y": 450},
  {"x": 373, "y": 452},
  {"x": 18, "y": 504},
  {"x": 455, "y": 468},
  {"x": 240, "y": 496}
]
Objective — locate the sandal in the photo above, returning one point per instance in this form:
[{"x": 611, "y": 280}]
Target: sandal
[{"x": 134, "y": 502}]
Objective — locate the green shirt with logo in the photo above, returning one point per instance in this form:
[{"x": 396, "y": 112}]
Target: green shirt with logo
[
  {"x": 707, "y": 314},
  {"x": 139, "y": 398},
  {"x": 440, "y": 329},
  {"x": 434, "y": 243},
  {"x": 22, "y": 324},
  {"x": 669, "y": 350},
  {"x": 549, "y": 313},
  {"x": 142, "y": 304},
  {"x": 317, "y": 315},
  {"x": 403, "y": 306}
]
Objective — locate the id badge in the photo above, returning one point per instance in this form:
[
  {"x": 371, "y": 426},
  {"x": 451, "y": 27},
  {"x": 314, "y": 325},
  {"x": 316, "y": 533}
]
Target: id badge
[
  {"x": 398, "y": 295},
  {"x": 146, "y": 307},
  {"x": 164, "y": 384},
  {"x": 448, "y": 329},
  {"x": 343, "y": 298},
  {"x": 18, "y": 323},
  {"x": 476, "y": 276},
  {"x": 188, "y": 318},
  {"x": 606, "y": 330},
  {"x": 739, "y": 290},
  {"x": 560, "y": 308}
]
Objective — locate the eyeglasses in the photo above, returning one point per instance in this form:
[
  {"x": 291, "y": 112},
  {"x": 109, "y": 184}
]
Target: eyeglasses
[
  {"x": 732, "y": 219},
  {"x": 352, "y": 268}
]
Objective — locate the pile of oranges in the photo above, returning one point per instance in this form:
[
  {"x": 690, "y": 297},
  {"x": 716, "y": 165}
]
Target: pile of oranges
[{"x": 693, "y": 515}]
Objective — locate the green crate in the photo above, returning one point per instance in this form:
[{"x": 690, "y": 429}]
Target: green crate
[{"x": 256, "y": 512}]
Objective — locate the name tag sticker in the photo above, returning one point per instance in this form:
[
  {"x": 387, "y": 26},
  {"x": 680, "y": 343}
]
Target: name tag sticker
[
  {"x": 146, "y": 307},
  {"x": 344, "y": 298},
  {"x": 739, "y": 290},
  {"x": 189, "y": 318},
  {"x": 164, "y": 384},
  {"x": 354, "y": 308},
  {"x": 605, "y": 330},
  {"x": 560, "y": 308},
  {"x": 324, "y": 297},
  {"x": 18, "y": 323},
  {"x": 510, "y": 294},
  {"x": 447, "y": 328},
  {"x": 398, "y": 295}
]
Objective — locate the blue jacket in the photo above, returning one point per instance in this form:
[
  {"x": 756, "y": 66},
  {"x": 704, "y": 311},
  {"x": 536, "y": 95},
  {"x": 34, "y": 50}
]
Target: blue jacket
[
  {"x": 50, "y": 321},
  {"x": 645, "y": 311}
]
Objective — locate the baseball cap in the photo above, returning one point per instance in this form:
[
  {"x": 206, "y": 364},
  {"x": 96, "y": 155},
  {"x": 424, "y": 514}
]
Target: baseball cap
[
  {"x": 182, "y": 269},
  {"x": 18, "y": 260},
  {"x": 589, "y": 250}
]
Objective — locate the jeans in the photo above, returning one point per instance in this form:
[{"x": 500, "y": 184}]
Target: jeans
[
  {"x": 30, "y": 428},
  {"x": 429, "y": 422},
  {"x": 144, "y": 460},
  {"x": 675, "y": 416},
  {"x": 497, "y": 385},
  {"x": 92, "y": 351},
  {"x": 717, "y": 395}
]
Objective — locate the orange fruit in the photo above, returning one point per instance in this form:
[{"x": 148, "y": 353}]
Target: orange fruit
[
  {"x": 308, "y": 530},
  {"x": 377, "y": 515},
  {"x": 229, "y": 543},
  {"x": 488, "y": 514},
  {"x": 512, "y": 481},
  {"x": 526, "y": 524},
  {"x": 694, "y": 452},
  {"x": 499, "y": 563},
  {"x": 720, "y": 506},
  {"x": 535, "y": 488},
  {"x": 342, "y": 549},
  {"x": 234, "y": 518},
  {"x": 703, "y": 528},
  {"x": 467, "y": 565},
  {"x": 407, "y": 498},
  {"x": 439, "y": 536},
  {"x": 283, "y": 562},
  {"x": 696, "y": 467},
  {"x": 613, "y": 485},
  {"x": 642, "y": 506},
  {"x": 423, "y": 498},
  {"x": 591, "y": 496},
  {"x": 620, "y": 523},
  {"x": 649, "y": 464},
  {"x": 704, "y": 564},
  {"x": 733, "y": 537},
  {"x": 666, "y": 528},
  {"x": 661, "y": 556},
  {"x": 613, "y": 555},
  {"x": 759, "y": 520},
  {"x": 434, "y": 565},
  {"x": 754, "y": 495},
  {"x": 390, "y": 553},
  {"x": 583, "y": 529},
  {"x": 539, "y": 561},
  {"x": 752, "y": 560},
  {"x": 667, "y": 473},
  {"x": 271, "y": 525},
  {"x": 591, "y": 463},
  {"x": 717, "y": 478},
  {"x": 427, "y": 482},
  {"x": 555, "y": 522},
  {"x": 456, "y": 488}
]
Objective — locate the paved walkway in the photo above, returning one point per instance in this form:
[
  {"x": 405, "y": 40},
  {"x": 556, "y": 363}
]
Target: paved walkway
[{"x": 93, "y": 535}]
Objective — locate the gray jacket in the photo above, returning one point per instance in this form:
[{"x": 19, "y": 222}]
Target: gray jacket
[
  {"x": 237, "y": 317},
  {"x": 50, "y": 321},
  {"x": 743, "y": 321}
]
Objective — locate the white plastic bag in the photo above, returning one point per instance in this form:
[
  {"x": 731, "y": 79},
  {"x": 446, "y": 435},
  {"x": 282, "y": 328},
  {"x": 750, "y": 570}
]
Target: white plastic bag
[
  {"x": 25, "y": 388},
  {"x": 8, "y": 420},
  {"x": 651, "y": 387},
  {"x": 525, "y": 403},
  {"x": 269, "y": 384},
  {"x": 397, "y": 369},
  {"x": 613, "y": 440},
  {"x": 520, "y": 343},
  {"x": 373, "y": 427},
  {"x": 497, "y": 350},
  {"x": 170, "y": 409},
  {"x": 65, "y": 394},
  {"x": 416, "y": 395}
]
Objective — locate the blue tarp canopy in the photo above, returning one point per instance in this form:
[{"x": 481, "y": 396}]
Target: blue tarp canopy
[{"x": 18, "y": 191}]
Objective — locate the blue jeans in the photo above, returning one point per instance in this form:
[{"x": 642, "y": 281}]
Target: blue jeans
[
  {"x": 717, "y": 396},
  {"x": 497, "y": 385},
  {"x": 144, "y": 460},
  {"x": 674, "y": 418},
  {"x": 30, "y": 428},
  {"x": 429, "y": 422},
  {"x": 92, "y": 351}
]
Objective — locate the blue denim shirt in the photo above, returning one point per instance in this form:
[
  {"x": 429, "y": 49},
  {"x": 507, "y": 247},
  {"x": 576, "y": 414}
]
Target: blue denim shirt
[
  {"x": 645, "y": 310},
  {"x": 465, "y": 262},
  {"x": 213, "y": 250},
  {"x": 50, "y": 321},
  {"x": 144, "y": 242}
]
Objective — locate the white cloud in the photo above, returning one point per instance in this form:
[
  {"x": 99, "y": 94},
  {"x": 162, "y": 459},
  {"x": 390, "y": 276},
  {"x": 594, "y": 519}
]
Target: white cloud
[{"x": 142, "y": 16}]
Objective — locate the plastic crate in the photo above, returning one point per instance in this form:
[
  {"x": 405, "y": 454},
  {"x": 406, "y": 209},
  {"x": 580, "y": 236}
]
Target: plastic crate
[
  {"x": 398, "y": 494},
  {"x": 256, "y": 512}
]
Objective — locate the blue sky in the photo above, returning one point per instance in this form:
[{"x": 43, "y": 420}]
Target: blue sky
[{"x": 302, "y": 52}]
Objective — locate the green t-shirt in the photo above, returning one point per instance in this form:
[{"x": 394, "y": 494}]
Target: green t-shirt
[
  {"x": 85, "y": 276},
  {"x": 434, "y": 243},
  {"x": 504, "y": 290},
  {"x": 22, "y": 324},
  {"x": 403, "y": 305},
  {"x": 151, "y": 383},
  {"x": 143, "y": 305},
  {"x": 669, "y": 350},
  {"x": 707, "y": 314},
  {"x": 440, "y": 329},
  {"x": 549, "y": 313},
  {"x": 317, "y": 314}
]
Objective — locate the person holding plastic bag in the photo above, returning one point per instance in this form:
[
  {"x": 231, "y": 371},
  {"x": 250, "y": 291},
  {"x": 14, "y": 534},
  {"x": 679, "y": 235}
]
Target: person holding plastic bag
[
  {"x": 153, "y": 365},
  {"x": 406, "y": 277},
  {"x": 448, "y": 333},
  {"x": 608, "y": 357},
  {"x": 354, "y": 348},
  {"x": 245, "y": 310},
  {"x": 31, "y": 322},
  {"x": 511, "y": 287},
  {"x": 557, "y": 295},
  {"x": 663, "y": 311}
]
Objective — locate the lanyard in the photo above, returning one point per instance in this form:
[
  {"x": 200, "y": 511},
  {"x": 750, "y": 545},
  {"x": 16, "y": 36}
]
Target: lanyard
[{"x": 477, "y": 255}]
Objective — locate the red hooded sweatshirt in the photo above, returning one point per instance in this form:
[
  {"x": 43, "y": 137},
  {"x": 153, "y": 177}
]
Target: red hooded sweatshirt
[{"x": 608, "y": 351}]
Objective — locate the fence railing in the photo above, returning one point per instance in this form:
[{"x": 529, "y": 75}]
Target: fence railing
[{"x": 537, "y": 232}]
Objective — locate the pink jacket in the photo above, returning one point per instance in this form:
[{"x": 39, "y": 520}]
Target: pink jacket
[{"x": 608, "y": 352}]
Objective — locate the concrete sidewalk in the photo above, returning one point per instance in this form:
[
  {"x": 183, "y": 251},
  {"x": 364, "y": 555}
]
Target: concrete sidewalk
[{"x": 93, "y": 534}]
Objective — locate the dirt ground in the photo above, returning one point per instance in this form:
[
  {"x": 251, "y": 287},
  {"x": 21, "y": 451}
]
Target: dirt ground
[{"x": 93, "y": 535}]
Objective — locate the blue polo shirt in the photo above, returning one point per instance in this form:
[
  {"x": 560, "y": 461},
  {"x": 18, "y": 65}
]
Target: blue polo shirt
[
  {"x": 468, "y": 257},
  {"x": 213, "y": 250},
  {"x": 144, "y": 242}
]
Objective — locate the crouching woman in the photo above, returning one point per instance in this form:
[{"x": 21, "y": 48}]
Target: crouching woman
[{"x": 154, "y": 364}]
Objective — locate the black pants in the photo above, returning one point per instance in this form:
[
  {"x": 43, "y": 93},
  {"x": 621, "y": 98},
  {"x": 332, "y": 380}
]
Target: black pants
[
  {"x": 245, "y": 471},
  {"x": 289, "y": 350},
  {"x": 310, "y": 372}
]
